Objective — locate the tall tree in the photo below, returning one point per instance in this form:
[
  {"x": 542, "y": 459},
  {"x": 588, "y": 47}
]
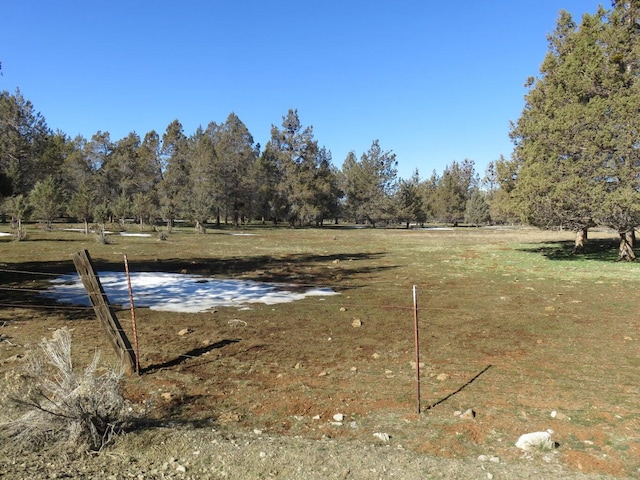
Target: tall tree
[
  {"x": 371, "y": 184},
  {"x": 410, "y": 201},
  {"x": 46, "y": 201},
  {"x": 294, "y": 152},
  {"x": 203, "y": 197},
  {"x": 576, "y": 140},
  {"x": 452, "y": 191},
  {"x": 236, "y": 155},
  {"x": 174, "y": 187},
  {"x": 24, "y": 137}
]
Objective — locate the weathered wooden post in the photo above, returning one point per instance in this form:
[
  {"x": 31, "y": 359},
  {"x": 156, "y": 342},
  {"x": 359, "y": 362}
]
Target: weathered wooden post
[{"x": 104, "y": 311}]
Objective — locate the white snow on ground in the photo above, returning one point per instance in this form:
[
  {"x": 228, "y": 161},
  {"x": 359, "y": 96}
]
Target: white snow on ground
[
  {"x": 178, "y": 292},
  {"x": 126, "y": 234},
  {"x": 4, "y": 234}
]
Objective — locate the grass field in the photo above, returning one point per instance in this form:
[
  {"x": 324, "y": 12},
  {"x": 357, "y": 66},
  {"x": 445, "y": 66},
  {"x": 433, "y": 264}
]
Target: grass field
[{"x": 511, "y": 325}]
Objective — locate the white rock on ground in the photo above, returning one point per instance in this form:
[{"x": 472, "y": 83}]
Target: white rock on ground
[{"x": 536, "y": 440}]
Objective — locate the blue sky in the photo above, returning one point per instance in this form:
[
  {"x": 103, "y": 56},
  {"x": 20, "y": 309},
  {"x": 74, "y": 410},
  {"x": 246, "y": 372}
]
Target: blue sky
[{"x": 433, "y": 81}]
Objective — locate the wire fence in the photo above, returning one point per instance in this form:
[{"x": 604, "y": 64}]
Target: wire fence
[{"x": 616, "y": 372}]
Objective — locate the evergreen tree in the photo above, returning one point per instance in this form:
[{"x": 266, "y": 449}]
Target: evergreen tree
[
  {"x": 477, "y": 209},
  {"x": 174, "y": 189},
  {"x": 24, "y": 137},
  {"x": 411, "y": 206},
  {"x": 576, "y": 140},
  {"x": 371, "y": 184},
  {"x": 236, "y": 156},
  {"x": 45, "y": 200}
]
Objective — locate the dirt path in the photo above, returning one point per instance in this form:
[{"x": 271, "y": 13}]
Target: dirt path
[{"x": 182, "y": 453}]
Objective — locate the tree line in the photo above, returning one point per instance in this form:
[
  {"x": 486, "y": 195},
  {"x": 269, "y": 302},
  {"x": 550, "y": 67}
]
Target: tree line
[
  {"x": 216, "y": 175},
  {"x": 575, "y": 163}
]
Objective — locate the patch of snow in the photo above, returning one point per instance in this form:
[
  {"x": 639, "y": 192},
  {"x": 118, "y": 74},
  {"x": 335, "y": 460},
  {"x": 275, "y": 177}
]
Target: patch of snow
[
  {"x": 4, "y": 234},
  {"x": 127, "y": 234},
  {"x": 179, "y": 292}
]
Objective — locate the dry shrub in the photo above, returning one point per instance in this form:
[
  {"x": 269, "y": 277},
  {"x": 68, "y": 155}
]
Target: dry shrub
[{"x": 56, "y": 407}]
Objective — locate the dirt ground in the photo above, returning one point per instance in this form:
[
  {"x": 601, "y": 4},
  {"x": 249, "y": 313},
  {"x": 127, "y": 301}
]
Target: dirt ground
[{"x": 329, "y": 391}]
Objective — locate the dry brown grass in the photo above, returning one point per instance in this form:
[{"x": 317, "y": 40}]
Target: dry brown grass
[
  {"x": 535, "y": 328},
  {"x": 54, "y": 406}
]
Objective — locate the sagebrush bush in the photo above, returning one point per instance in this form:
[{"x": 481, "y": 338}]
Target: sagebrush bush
[{"x": 55, "y": 407}]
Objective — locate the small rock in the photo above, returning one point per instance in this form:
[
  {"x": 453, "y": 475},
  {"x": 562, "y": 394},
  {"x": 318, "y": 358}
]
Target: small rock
[
  {"x": 184, "y": 331},
  {"x": 382, "y": 436},
  {"x": 167, "y": 396},
  {"x": 316, "y": 417},
  {"x": 469, "y": 414},
  {"x": 298, "y": 366},
  {"x": 181, "y": 468},
  {"x": 323, "y": 374},
  {"x": 339, "y": 417},
  {"x": 356, "y": 323},
  {"x": 531, "y": 441},
  {"x": 343, "y": 309},
  {"x": 483, "y": 458},
  {"x": 354, "y": 369},
  {"x": 257, "y": 431},
  {"x": 559, "y": 415},
  {"x": 413, "y": 365},
  {"x": 490, "y": 475},
  {"x": 494, "y": 459},
  {"x": 441, "y": 377},
  {"x": 375, "y": 356}
]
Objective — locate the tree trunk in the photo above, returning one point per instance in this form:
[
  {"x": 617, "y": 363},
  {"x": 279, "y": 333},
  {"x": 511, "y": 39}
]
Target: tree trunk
[
  {"x": 627, "y": 239},
  {"x": 86, "y": 227},
  {"x": 581, "y": 240}
]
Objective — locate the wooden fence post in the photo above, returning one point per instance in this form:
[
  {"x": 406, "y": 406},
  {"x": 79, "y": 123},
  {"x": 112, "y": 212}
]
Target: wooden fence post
[{"x": 104, "y": 311}]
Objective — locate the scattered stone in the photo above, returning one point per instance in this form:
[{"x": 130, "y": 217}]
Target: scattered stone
[
  {"x": 536, "y": 440},
  {"x": 316, "y": 417},
  {"x": 181, "y": 468},
  {"x": 382, "y": 436},
  {"x": 469, "y": 414},
  {"x": 483, "y": 458},
  {"x": 559, "y": 415},
  {"x": 494, "y": 459},
  {"x": 441, "y": 377},
  {"x": 343, "y": 309},
  {"x": 167, "y": 396},
  {"x": 413, "y": 365},
  {"x": 356, "y": 323},
  {"x": 339, "y": 417},
  {"x": 185, "y": 331},
  {"x": 336, "y": 424},
  {"x": 257, "y": 431},
  {"x": 323, "y": 374},
  {"x": 298, "y": 366},
  {"x": 375, "y": 356},
  {"x": 354, "y": 369},
  {"x": 490, "y": 475}
]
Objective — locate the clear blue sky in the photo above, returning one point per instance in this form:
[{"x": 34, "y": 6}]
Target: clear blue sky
[{"x": 433, "y": 81}]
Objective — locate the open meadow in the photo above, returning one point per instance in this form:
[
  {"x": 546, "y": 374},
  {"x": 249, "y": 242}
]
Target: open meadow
[{"x": 511, "y": 326}]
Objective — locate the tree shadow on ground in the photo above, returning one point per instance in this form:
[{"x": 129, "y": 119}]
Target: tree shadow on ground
[
  {"x": 603, "y": 250},
  {"x": 20, "y": 283}
]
